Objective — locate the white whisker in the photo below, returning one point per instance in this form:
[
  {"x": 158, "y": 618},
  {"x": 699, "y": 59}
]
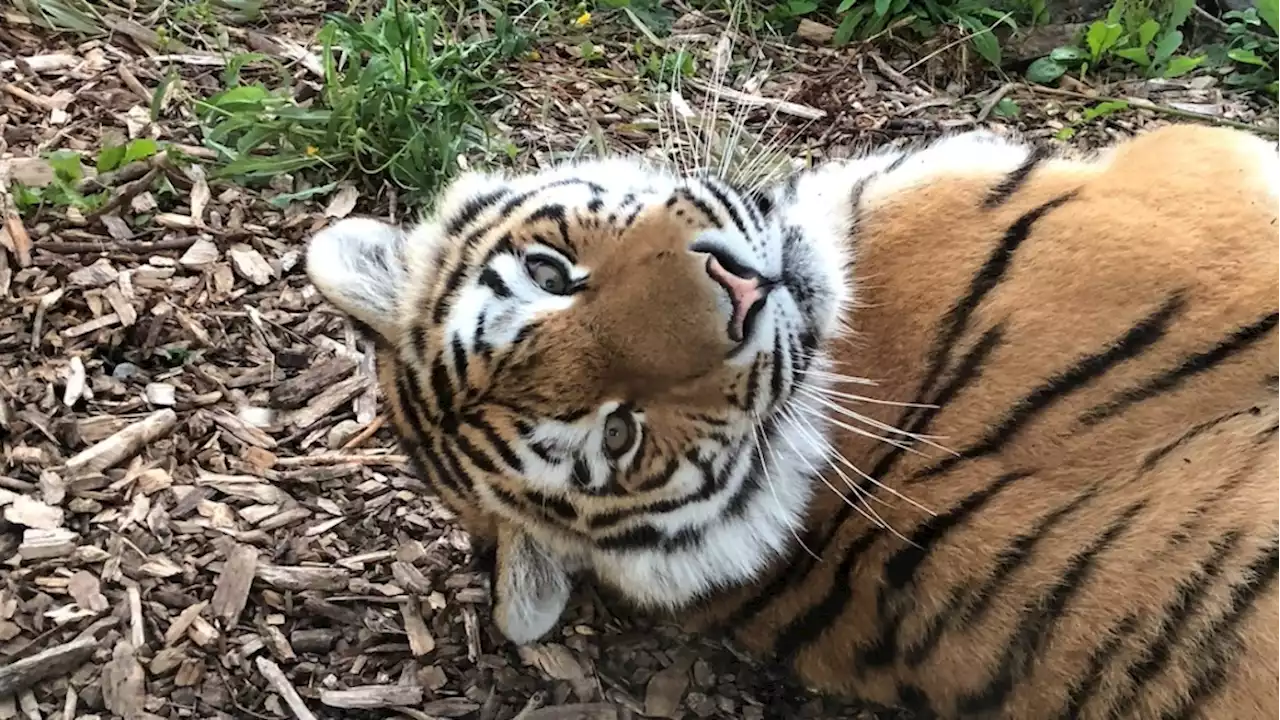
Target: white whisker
[
  {"x": 786, "y": 415},
  {"x": 879, "y": 425},
  {"x": 845, "y": 461},
  {"x": 764, "y": 466}
]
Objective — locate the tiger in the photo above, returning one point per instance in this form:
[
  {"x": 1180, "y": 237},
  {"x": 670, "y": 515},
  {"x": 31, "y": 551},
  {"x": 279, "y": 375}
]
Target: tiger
[{"x": 977, "y": 427}]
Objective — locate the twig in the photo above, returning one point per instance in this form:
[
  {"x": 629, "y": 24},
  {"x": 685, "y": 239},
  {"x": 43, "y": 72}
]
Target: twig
[
  {"x": 128, "y": 192},
  {"x": 342, "y": 458},
  {"x": 994, "y": 100},
  {"x": 1142, "y": 104},
  {"x": 55, "y": 661},
  {"x": 365, "y": 433},
  {"x": 282, "y": 686},
  {"x": 138, "y": 248},
  {"x": 124, "y": 444},
  {"x": 644, "y": 29}
]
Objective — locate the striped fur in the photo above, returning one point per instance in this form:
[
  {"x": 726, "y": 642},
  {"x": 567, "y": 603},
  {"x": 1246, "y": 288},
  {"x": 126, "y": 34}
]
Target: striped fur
[{"x": 1070, "y": 511}]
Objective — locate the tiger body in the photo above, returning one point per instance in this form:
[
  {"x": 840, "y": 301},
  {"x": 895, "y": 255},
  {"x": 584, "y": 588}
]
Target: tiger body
[{"x": 1075, "y": 513}]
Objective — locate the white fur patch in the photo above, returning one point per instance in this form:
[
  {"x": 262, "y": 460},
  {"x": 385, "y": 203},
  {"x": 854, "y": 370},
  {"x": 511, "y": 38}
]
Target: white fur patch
[{"x": 358, "y": 265}]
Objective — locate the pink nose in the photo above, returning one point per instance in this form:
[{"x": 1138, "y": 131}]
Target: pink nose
[{"x": 746, "y": 294}]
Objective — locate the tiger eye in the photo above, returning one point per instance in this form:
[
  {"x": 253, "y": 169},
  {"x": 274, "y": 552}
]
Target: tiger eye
[
  {"x": 548, "y": 274},
  {"x": 619, "y": 433}
]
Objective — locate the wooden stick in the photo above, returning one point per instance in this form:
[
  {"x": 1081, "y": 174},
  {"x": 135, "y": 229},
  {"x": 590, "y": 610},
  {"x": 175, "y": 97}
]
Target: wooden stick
[
  {"x": 284, "y": 688},
  {"x": 124, "y": 444},
  {"x": 53, "y": 662}
]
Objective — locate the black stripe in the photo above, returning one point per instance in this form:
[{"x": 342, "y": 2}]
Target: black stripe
[
  {"x": 1012, "y": 182},
  {"x": 1193, "y": 365},
  {"x": 1138, "y": 338},
  {"x": 703, "y": 208},
  {"x": 556, "y": 214},
  {"x": 474, "y": 454},
  {"x": 459, "y": 361},
  {"x": 968, "y": 370},
  {"x": 1036, "y": 626},
  {"x": 1082, "y": 691},
  {"x": 1188, "y": 595},
  {"x": 1221, "y": 639},
  {"x": 987, "y": 278},
  {"x": 472, "y": 209},
  {"x": 969, "y": 604},
  {"x": 1154, "y": 457},
  {"x": 902, "y": 566},
  {"x": 498, "y": 443},
  {"x": 806, "y": 628},
  {"x": 734, "y": 216},
  {"x": 441, "y": 387},
  {"x": 491, "y": 279},
  {"x": 560, "y": 507}
]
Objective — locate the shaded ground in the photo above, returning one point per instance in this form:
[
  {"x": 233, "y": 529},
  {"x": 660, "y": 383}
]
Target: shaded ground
[{"x": 252, "y": 533}]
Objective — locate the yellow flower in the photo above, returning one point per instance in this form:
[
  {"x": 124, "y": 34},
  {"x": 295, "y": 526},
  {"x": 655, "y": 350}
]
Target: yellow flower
[
  {"x": 583, "y": 20},
  {"x": 312, "y": 151},
  {"x": 535, "y": 55}
]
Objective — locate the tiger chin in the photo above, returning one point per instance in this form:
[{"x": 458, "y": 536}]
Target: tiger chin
[{"x": 970, "y": 428}]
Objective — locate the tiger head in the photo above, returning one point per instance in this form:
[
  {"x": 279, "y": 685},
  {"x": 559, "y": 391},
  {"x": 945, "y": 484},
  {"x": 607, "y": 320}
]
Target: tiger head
[{"x": 596, "y": 368}]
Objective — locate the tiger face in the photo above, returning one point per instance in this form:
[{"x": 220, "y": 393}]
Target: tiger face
[{"x": 595, "y": 367}]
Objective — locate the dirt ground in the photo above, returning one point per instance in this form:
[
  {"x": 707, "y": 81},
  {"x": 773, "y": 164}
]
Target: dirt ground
[{"x": 203, "y": 516}]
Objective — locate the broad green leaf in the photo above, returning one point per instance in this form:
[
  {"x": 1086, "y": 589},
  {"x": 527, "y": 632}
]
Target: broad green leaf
[
  {"x": 848, "y": 26},
  {"x": 110, "y": 158},
  {"x": 1269, "y": 11},
  {"x": 1166, "y": 46},
  {"x": 1135, "y": 54},
  {"x": 66, "y": 165},
  {"x": 1178, "y": 14},
  {"x": 1045, "y": 70},
  {"x": 844, "y": 6},
  {"x": 1068, "y": 54},
  {"x": 286, "y": 198},
  {"x": 1102, "y": 37},
  {"x": 140, "y": 149},
  {"x": 1147, "y": 32},
  {"x": 987, "y": 46},
  {"x": 1246, "y": 56},
  {"x": 1182, "y": 64},
  {"x": 882, "y": 7},
  {"x": 1006, "y": 108}
]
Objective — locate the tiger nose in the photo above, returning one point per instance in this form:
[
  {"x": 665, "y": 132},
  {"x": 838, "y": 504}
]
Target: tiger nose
[{"x": 747, "y": 293}]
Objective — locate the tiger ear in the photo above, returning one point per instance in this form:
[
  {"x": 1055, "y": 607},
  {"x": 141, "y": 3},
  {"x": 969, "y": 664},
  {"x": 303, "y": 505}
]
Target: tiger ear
[
  {"x": 531, "y": 586},
  {"x": 358, "y": 264}
]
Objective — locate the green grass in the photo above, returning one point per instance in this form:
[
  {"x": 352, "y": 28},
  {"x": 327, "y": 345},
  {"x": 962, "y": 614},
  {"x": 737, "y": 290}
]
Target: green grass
[{"x": 403, "y": 96}]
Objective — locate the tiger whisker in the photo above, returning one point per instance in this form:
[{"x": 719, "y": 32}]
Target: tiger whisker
[
  {"x": 787, "y": 415},
  {"x": 872, "y": 421},
  {"x": 845, "y": 461},
  {"x": 862, "y": 398},
  {"x": 757, "y": 436}
]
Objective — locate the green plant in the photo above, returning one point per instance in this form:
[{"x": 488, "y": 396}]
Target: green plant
[
  {"x": 1251, "y": 47},
  {"x": 1133, "y": 31},
  {"x": 403, "y": 97},
  {"x": 62, "y": 190}
]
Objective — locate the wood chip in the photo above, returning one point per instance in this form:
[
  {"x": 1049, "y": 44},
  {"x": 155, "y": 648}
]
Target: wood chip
[
  {"x": 372, "y": 696},
  {"x": 123, "y": 682},
  {"x": 304, "y": 578},
  {"x": 578, "y": 711},
  {"x": 232, "y": 591},
  {"x": 124, "y": 444},
  {"x": 45, "y": 544},
  {"x": 324, "y": 404},
  {"x": 276, "y": 678},
  {"x": 296, "y": 391},
  {"x": 55, "y": 661},
  {"x": 421, "y": 641},
  {"x": 87, "y": 591},
  {"x": 249, "y": 264},
  {"x": 32, "y": 513}
]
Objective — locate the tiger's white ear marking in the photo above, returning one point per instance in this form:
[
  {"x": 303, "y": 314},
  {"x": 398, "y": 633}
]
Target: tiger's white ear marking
[
  {"x": 531, "y": 587},
  {"x": 358, "y": 265}
]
